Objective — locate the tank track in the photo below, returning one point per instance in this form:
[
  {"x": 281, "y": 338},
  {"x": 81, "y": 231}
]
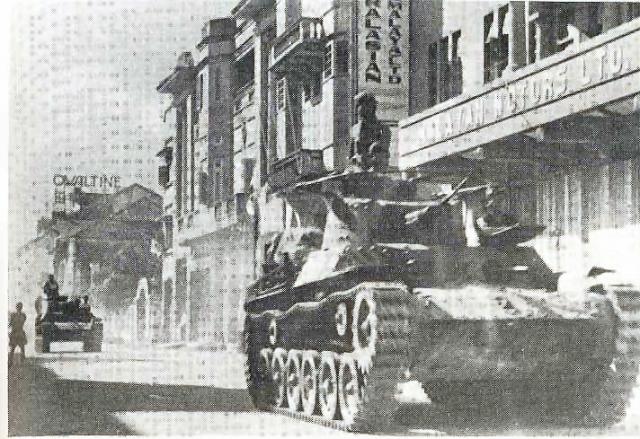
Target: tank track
[
  {"x": 381, "y": 370},
  {"x": 619, "y": 379}
]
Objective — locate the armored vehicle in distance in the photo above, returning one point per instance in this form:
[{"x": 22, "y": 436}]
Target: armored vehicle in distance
[{"x": 68, "y": 320}]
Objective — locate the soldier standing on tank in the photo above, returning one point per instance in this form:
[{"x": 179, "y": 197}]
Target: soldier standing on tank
[
  {"x": 51, "y": 292},
  {"x": 369, "y": 137},
  {"x": 17, "y": 336},
  {"x": 38, "y": 307},
  {"x": 85, "y": 308},
  {"x": 51, "y": 288}
]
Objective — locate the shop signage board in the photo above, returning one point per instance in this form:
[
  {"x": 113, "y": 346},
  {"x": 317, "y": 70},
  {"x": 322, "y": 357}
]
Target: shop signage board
[
  {"x": 383, "y": 54},
  {"x": 567, "y": 83}
]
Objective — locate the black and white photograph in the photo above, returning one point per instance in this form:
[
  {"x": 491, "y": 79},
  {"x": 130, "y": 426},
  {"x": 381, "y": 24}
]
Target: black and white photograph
[{"x": 336, "y": 218}]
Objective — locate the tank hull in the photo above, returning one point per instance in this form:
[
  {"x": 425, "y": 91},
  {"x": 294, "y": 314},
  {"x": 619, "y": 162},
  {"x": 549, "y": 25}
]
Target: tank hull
[
  {"x": 89, "y": 333},
  {"x": 419, "y": 337},
  {"x": 458, "y": 348},
  {"x": 516, "y": 349}
]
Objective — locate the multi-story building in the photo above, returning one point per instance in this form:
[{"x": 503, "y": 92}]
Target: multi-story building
[
  {"x": 539, "y": 97},
  {"x": 310, "y": 61},
  {"x": 268, "y": 96},
  {"x": 543, "y": 98},
  {"x": 206, "y": 176}
]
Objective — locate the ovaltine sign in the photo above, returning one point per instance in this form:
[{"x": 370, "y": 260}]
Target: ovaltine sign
[
  {"x": 87, "y": 181},
  {"x": 604, "y": 69}
]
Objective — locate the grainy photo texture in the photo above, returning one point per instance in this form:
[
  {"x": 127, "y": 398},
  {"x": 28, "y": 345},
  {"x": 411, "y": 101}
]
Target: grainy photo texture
[{"x": 324, "y": 217}]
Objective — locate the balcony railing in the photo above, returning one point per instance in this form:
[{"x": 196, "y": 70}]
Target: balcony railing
[
  {"x": 300, "y": 165},
  {"x": 301, "y": 43}
]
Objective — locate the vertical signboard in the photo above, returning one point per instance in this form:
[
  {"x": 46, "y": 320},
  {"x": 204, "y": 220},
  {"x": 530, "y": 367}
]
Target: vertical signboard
[{"x": 383, "y": 63}]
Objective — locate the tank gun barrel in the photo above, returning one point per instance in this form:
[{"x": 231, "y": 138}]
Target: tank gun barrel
[{"x": 417, "y": 215}]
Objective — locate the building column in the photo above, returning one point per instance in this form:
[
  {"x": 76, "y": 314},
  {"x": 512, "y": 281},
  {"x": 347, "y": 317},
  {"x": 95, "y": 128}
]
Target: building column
[
  {"x": 70, "y": 269},
  {"x": 191, "y": 266},
  {"x": 264, "y": 90},
  {"x": 173, "y": 324}
]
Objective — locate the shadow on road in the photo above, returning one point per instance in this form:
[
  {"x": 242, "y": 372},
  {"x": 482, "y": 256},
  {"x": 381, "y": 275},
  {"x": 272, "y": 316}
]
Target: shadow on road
[{"x": 41, "y": 403}]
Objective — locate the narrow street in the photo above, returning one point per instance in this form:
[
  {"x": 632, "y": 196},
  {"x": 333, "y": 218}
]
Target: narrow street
[
  {"x": 151, "y": 392},
  {"x": 190, "y": 392}
]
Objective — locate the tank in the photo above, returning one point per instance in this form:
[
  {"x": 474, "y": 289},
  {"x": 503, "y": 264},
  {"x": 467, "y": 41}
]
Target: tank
[
  {"x": 68, "y": 320},
  {"x": 381, "y": 295}
]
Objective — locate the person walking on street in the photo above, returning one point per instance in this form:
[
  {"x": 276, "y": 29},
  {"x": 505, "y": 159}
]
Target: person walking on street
[{"x": 17, "y": 336}]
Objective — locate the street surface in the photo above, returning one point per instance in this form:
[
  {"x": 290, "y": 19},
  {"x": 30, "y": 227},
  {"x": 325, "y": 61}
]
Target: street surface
[{"x": 186, "y": 391}]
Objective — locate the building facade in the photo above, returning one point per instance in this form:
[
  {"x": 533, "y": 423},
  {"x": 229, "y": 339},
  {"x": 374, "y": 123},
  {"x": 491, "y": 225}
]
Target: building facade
[
  {"x": 310, "y": 61},
  {"x": 539, "y": 97},
  {"x": 552, "y": 115},
  {"x": 208, "y": 259}
]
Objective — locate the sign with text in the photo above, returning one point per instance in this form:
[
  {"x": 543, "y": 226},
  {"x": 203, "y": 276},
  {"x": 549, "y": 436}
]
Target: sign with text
[
  {"x": 556, "y": 90},
  {"x": 66, "y": 185},
  {"x": 87, "y": 181},
  {"x": 383, "y": 55}
]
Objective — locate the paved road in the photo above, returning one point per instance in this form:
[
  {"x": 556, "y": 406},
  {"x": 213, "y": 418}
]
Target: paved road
[{"x": 188, "y": 392}]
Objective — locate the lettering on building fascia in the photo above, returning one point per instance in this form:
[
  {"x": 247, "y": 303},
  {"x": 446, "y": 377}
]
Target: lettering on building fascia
[
  {"x": 88, "y": 181},
  {"x": 373, "y": 41},
  {"x": 395, "y": 34},
  {"x": 524, "y": 94}
]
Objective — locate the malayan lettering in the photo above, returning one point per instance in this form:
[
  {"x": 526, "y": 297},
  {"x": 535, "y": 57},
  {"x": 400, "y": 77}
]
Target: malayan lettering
[
  {"x": 529, "y": 92},
  {"x": 395, "y": 34},
  {"x": 373, "y": 25}
]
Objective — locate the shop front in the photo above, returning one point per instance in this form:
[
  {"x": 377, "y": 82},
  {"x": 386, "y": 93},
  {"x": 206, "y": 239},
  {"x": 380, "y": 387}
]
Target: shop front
[{"x": 563, "y": 137}]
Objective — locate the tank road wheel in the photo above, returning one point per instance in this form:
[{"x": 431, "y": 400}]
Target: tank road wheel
[
  {"x": 328, "y": 385},
  {"x": 310, "y": 361},
  {"x": 349, "y": 389},
  {"x": 279, "y": 376},
  {"x": 621, "y": 375},
  {"x": 294, "y": 379},
  {"x": 364, "y": 329},
  {"x": 264, "y": 364}
]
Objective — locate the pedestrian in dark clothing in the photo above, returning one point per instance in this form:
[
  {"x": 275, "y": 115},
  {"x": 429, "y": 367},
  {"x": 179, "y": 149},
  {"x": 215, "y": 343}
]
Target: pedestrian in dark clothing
[{"x": 17, "y": 336}]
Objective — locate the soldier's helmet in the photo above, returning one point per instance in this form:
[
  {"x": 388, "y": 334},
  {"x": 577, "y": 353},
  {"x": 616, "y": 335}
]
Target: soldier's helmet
[{"x": 365, "y": 99}]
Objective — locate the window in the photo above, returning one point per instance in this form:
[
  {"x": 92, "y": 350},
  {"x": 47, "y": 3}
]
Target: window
[
  {"x": 245, "y": 70},
  {"x": 327, "y": 66},
  {"x": 199, "y": 91},
  {"x": 280, "y": 94},
  {"x": 445, "y": 69},
  {"x": 312, "y": 88},
  {"x": 496, "y": 43},
  {"x": 342, "y": 57},
  {"x": 168, "y": 233},
  {"x": 217, "y": 84}
]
